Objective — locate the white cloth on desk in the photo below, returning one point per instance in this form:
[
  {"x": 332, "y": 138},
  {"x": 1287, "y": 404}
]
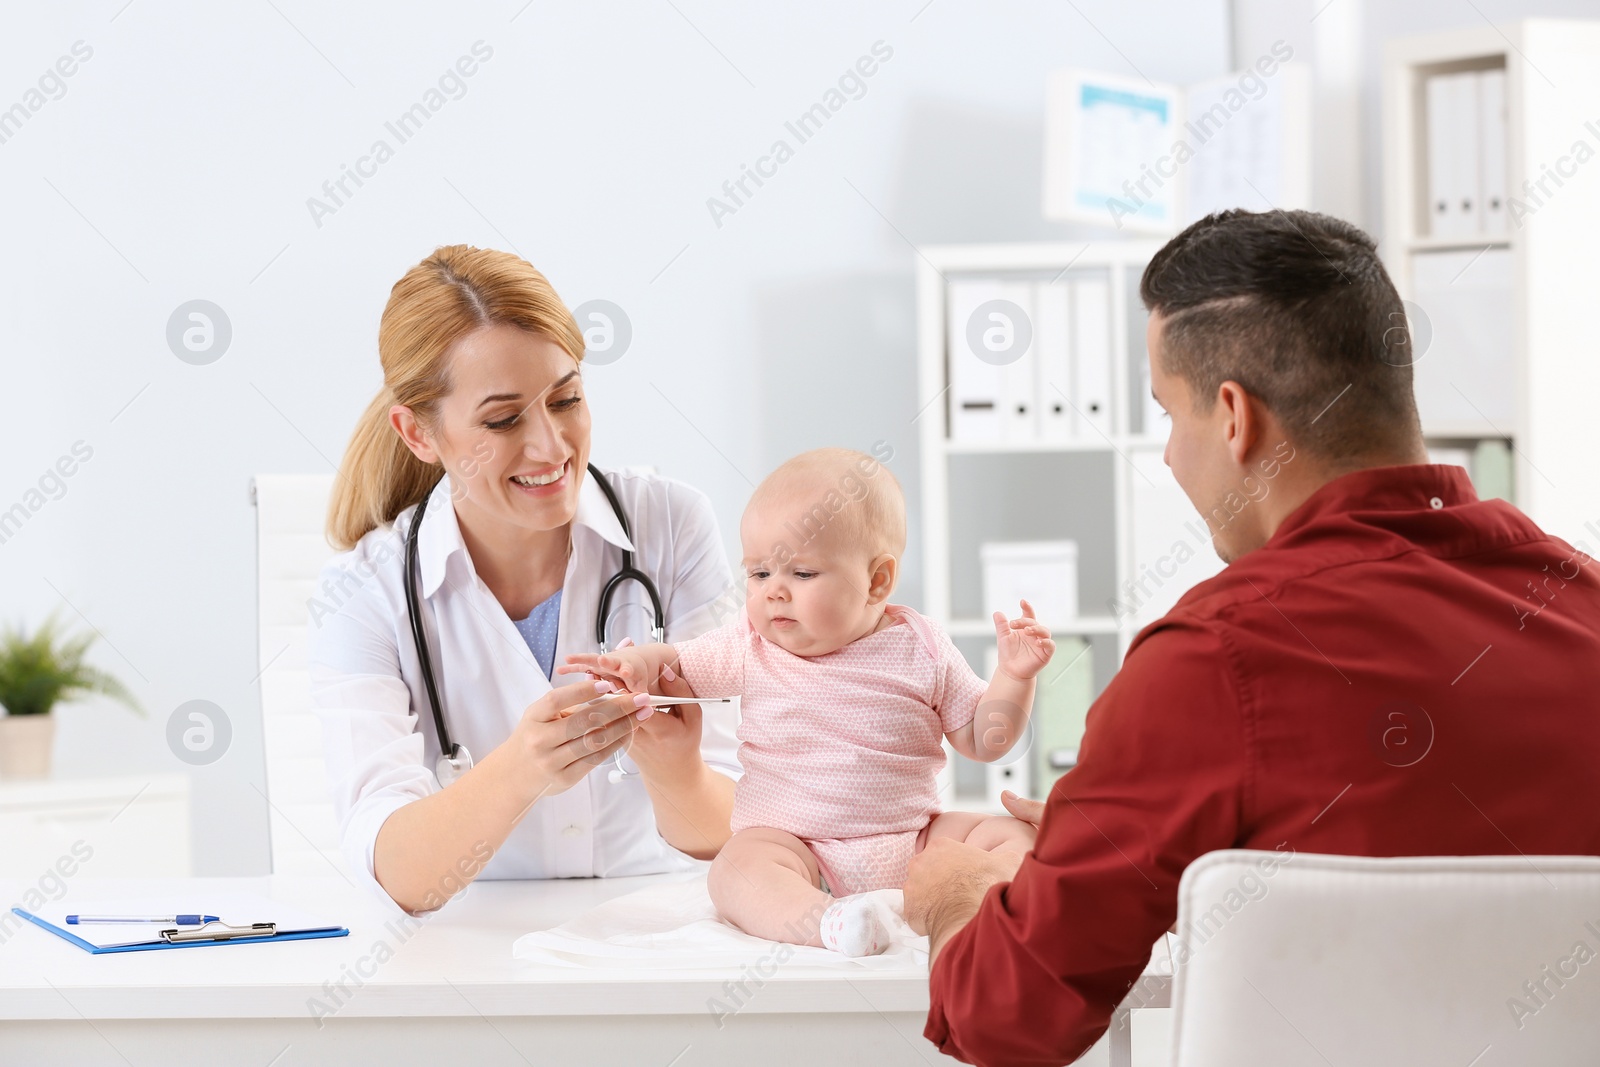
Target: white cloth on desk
[{"x": 673, "y": 926}]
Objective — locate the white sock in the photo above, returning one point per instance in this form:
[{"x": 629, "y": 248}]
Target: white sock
[{"x": 851, "y": 925}]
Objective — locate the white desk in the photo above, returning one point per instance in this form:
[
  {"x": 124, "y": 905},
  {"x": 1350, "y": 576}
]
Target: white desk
[
  {"x": 128, "y": 827},
  {"x": 448, "y": 992}
]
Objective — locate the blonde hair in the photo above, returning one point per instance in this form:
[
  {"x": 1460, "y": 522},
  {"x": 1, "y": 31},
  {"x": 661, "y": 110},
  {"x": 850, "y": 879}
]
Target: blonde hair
[
  {"x": 450, "y": 294},
  {"x": 848, "y": 491}
]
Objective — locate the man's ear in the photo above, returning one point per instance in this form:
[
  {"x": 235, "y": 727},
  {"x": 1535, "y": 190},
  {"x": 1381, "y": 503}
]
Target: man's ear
[
  {"x": 1241, "y": 420},
  {"x": 410, "y": 430},
  {"x": 881, "y": 575}
]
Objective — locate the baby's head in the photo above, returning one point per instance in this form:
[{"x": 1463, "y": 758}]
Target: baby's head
[{"x": 822, "y": 539}]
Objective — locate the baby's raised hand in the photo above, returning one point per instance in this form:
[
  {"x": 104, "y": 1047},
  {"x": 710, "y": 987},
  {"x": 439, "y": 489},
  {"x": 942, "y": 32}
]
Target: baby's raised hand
[
  {"x": 1025, "y": 644},
  {"x": 625, "y": 667}
]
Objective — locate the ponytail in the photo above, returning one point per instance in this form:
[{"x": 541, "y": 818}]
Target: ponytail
[
  {"x": 379, "y": 478},
  {"x": 450, "y": 294}
]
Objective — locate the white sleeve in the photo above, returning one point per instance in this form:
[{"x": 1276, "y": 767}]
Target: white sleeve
[
  {"x": 373, "y": 751},
  {"x": 702, "y": 597}
]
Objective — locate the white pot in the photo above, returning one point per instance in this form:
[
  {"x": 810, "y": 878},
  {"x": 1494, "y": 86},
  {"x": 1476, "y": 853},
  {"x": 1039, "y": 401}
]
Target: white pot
[{"x": 25, "y": 744}]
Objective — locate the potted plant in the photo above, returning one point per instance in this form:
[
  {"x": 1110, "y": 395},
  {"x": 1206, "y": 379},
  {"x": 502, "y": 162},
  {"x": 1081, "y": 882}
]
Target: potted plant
[{"x": 36, "y": 673}]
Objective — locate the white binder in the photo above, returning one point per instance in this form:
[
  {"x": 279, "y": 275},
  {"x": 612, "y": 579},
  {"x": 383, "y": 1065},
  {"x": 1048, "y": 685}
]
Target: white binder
[
  {"x": 1468, "y": 153},
  {"x": 1052, "y": 337},
  {"x": 1091, "y": 355},
  {"x": 1492, "y": 161},
  {"x": 974, "y": 383},
  {"x": 1019, "y": 387},
  {"x": 1453, "y": 155},
  {"x": 1441, "y": 154}
]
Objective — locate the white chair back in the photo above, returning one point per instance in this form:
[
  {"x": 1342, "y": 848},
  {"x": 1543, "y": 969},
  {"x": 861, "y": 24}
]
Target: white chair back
[
  {"x": 290, "y": 553},
  {"x": 1322, "y": 960}
]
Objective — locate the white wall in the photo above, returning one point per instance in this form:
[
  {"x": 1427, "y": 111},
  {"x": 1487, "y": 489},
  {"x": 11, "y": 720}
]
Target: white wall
[
  {"x": 1329, "y": 37},
  {"x": 178, "y": 163}
]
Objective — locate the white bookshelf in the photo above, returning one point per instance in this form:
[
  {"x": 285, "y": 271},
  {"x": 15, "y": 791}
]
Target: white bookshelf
[
  {"x": 1038, "y": 262},
  {"x": 1099, "y": 474},
  {"x": 1552, "y": 70}
]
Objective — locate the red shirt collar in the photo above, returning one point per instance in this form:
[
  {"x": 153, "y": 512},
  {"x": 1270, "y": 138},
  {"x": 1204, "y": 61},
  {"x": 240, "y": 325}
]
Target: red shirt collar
[{"x": 1414, "y": 487}]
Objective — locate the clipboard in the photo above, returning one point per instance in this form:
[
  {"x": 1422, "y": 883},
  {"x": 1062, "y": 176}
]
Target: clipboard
[{"x": 271, "y": 921}]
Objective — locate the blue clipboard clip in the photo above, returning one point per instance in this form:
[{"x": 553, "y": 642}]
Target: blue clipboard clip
[{"x": 217, "y": 930}]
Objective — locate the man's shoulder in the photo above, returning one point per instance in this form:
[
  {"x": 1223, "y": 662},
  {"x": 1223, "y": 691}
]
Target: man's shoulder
[
  {"x": 1250, "y": 584},
  {"x": 1250, "y": 577},
  {"x": 1350, "y": 565}
]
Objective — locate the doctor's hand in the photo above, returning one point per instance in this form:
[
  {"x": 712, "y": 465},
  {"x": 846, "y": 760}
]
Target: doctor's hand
[
  {"x": 562, "y": 736},
  {"x": 667, "y": 742}
]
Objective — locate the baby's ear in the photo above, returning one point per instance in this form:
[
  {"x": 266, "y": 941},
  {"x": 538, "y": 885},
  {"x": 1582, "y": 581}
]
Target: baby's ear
[{"x": 881, "y": 575}]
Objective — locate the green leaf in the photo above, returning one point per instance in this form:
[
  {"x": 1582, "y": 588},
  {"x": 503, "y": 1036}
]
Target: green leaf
[{"x": 47, "y": 668}]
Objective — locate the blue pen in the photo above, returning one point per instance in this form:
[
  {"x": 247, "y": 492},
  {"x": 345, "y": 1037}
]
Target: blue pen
[{"x": 168, "y": 920}]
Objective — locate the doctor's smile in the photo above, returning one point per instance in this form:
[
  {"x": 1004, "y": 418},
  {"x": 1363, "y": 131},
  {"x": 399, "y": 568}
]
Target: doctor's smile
[{"x": 545, "y": 481}]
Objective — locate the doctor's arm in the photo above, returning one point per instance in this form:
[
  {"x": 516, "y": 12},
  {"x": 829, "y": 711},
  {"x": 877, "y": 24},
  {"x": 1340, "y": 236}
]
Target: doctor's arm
[
  {"x": 693, "y": 803},
  {"x": 430, "y": 849},
  {"x": 687, "y": 756},
  {"x": 400, "y": 832}
]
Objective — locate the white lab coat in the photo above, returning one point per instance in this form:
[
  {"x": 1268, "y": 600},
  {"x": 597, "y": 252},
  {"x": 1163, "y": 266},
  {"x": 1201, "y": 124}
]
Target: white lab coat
[{"x": 366, "y": 683}]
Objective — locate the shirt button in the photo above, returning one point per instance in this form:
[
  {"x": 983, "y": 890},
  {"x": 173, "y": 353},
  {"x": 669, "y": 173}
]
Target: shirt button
[
  {"x": 1435, "y": 503},
  {"x": 573, "y": 831}
]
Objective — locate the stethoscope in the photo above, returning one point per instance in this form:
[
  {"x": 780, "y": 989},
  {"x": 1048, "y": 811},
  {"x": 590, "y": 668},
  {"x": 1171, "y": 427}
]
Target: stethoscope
[{"x": 454, "y": 759}]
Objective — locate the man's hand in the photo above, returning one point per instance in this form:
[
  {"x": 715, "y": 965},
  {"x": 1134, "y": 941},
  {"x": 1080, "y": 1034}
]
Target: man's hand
[
  {"x": 1029, "y": 811},
  {"x": 945, "y": 884}
]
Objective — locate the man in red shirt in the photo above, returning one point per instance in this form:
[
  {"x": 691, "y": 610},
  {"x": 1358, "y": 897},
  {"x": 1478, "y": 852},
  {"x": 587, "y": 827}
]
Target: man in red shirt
[{"x": 1388, "y": 666}]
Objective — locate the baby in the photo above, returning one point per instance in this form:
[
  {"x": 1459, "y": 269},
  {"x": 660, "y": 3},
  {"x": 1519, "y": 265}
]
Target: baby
[{"x": 845, "y": 700}]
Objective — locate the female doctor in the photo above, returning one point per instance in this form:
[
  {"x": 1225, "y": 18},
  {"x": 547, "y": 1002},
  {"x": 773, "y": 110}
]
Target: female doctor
[{"x": 483, "y": 423}]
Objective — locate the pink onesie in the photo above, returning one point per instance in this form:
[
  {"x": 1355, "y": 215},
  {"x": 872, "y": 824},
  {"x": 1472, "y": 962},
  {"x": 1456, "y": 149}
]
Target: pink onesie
[{"x": 841, "y": 750}]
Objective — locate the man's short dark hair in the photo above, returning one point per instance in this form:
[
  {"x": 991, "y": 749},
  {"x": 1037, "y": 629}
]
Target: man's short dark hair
[{"x": 1297, "y": 308}]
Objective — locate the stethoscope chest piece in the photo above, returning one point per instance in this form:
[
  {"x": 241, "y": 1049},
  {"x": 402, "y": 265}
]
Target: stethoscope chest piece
[{"x": 451, "y": 767}]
